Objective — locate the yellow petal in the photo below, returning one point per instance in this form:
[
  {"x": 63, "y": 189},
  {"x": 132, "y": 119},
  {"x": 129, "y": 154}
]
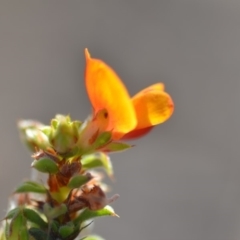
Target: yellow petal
[
  {"x": 106, "y": 91},
  {"x": 153, "y": 106}
]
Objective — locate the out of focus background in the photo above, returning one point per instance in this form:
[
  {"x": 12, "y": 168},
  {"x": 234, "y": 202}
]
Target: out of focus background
[{"x": 182, "y": 181}]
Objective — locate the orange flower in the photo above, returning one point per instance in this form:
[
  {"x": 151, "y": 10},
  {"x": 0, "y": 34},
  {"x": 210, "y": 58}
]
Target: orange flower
[{"x": 126, "y": 117}]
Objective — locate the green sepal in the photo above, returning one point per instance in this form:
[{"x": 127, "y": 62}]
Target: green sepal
[
  {"x": 87, "y": 214},
  {"x": 116, "y": 147},
  {"x": 97, "y": 160},
  {"x": 78, "y": 180},
  {"x": 39, "y": 234},
  {"x": 92, "y": 237},
  {"x": 86, "y": 148},
  {"x": 18, "y": 228},
  {"x": 66, "y": 230},
  {"x": 45, "y": 165},
  {"x": 30, "y": 186},
  {"x": 54, "y": 122},
  {"x": 71, "y": 153},
  {"x": 54, "y": 212},
  {"x": 102, "y": 140},
  {"x": 34, "y": 217},
  {"x": 46, "y": 130}
]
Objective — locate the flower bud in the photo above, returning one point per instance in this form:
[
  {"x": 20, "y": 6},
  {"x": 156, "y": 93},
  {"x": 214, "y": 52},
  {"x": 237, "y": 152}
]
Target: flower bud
[
  {"x": 31, "y": 133},
  {"x": 64, "y": 134}
]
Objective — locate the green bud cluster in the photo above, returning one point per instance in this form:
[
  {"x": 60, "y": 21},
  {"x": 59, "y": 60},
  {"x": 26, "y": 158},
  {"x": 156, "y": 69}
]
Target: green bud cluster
[{"x": 70, "y": 154}]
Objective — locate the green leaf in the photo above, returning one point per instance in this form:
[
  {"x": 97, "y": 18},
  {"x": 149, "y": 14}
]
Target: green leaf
[
  {"x": 18, "y": 228},
  {"x": 54, "y": 212},
  {"x": 12, "y": 213},
  {"x": 34, "y": 217},
  {"x": 89, "y": 214},
  {"x": 92, "y": 237},
  {"x": 78, "y": 180},
  {"x": 54, "y": 226},
  {"x": 45, "y": 165},
  {"x": 67, "y": 229},
  {"x": 30, "y": 186},
  {"x": 97, "y": 160},
  {"x": 116, "y": 146},
  {"x": 39, "y": 234}
]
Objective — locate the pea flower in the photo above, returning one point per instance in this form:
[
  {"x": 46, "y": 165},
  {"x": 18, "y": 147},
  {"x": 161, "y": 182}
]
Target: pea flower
[
  {"x": 115, "y": 110},
  {"x": 70, "y": 153}
]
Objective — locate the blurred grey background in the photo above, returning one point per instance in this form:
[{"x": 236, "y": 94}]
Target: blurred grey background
[{"x": 182, "y": 181}]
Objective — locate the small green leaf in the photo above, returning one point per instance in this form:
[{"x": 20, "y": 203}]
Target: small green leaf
[
  {"x": 67, "y": 229},
  {"x": 12, "y": 213},
  {"x": 78, "y": 180},
  {"x": 30, "y": 186},
  {"x": 18, "y": 229},
  {"x": 97, "y": 160},
  {"x": 45, "y": 165},
  {"x": 88, "y": 214},
  {"x": 34, "y": 217},
  {"x": 92, "y": 237},
  {"x": 39, "y": 234},
  {"x": 54, "y": 212},
  {"x": 54, "y": 226},
  {"x": 115, "y": 147}
]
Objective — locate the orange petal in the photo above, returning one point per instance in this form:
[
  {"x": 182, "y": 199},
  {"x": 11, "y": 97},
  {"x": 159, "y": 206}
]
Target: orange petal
[
  {"x": 153, "y": 106},
  {"x": 106, "y": 91},
  {"x": 156, "y": 86}
]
